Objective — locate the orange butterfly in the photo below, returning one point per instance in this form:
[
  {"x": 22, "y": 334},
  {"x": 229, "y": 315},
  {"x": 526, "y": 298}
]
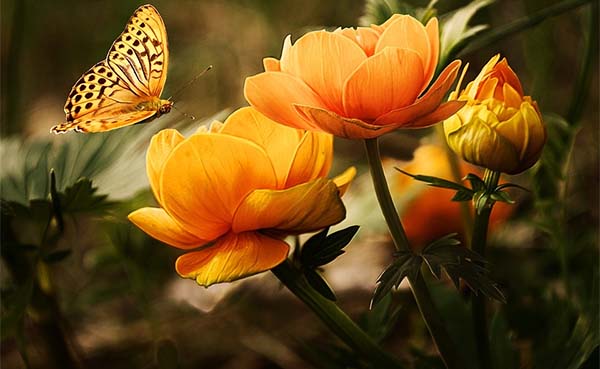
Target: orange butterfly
[{"x": 124, "y": 88}]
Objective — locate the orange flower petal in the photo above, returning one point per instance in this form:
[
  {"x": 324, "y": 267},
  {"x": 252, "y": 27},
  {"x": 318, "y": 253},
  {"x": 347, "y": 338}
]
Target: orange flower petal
[
  {"x": 278, "y": 141},
  {"x": 324, "y": 60},
  {"x": 273, "y": 93},
  {"x": 388, "y": 80},
  {"x": 427, "y": 103},
  {"x": 234, "y": 256},
  {"x": 300, "y": 209},
  {"x": 339, "y": 126},
  {"x": 207, "y": 176},
  {"x": 442, "y": 112},
  {"x": 158, "y": 224},
  {"x": 313, "y": 157},
  {"x": 343, "y": 180},
  {"x": 433, "y": 33},
  {"x": 364, "y": 37},
  {"x": 160, "y": 147},
  {"x": 406, "y": 32},
  {"x": 271, "y": 65}
]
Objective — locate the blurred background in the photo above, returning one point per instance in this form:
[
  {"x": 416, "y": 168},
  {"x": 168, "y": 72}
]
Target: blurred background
[{"x": 104, "y": 294}]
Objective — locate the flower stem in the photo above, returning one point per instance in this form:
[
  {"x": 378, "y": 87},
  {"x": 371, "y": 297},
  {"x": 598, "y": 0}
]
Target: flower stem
[
  {"x": 478, "y": 243},
  {"x": 334, "y": 317},
  {"x": 431, "y": 316}
]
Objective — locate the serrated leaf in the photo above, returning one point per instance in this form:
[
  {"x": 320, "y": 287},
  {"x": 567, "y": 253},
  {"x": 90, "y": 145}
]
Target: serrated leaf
[
  {"x": 379, "y": 321},
  {"x": 455, "y": 31},
  {"x": 319, "y": 284},
  {"x": 462, "y": 196},
  {"x": 166, "y": 355},
  {"x": 56, "y": 256},
  {"x": 502, "y": 196},
  {"x": 320, "y": 250},
  {"x": 82, "y": 197},
  {"x": 477, "y": 184},
  {"x": 476, "y": 278},
  {"x": 405, "y": 265}
]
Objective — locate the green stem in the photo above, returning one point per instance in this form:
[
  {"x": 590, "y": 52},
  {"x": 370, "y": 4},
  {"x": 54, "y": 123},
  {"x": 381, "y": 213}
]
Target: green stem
[
  {"x": 431, "y": 316},
  {"x": 500, "y": 32},
  {"x": 334, "y": 317},
  {"x": 478, "y": 243}
]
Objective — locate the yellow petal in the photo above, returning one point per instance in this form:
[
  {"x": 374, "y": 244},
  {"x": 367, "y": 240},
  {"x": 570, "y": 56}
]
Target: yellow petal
[
  {"x": 343, "y": 180},
  {"x": 159, "y": 149},
  {"x": 273, "y": 93},
  {"x": 324, "y": 60},
  {"x": 389, "y": 80},
  {"x": 300, "y": 209},
  {"x": 271, "y": 65},
  {"x": 312, "y": 159},
  {"x": 158, "y": 224},
  {"x": 207, "y": 176},
  {"x": 278, "y": 141},
  {"x": 234, "y": 256}
]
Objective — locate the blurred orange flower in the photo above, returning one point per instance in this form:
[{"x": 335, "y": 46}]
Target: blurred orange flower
[
  {"x": 428, "y": 212},
  {"x": 236, "y": 191},
  {"x": 357, "y": 83},
  {"x": 499, "y": 128}
]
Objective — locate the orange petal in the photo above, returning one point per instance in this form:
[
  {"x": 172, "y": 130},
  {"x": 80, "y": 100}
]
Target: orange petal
[
  {"x": 427, "y": 103},
  {"x": 158, "y": 224},
  {"x": 271, "y": 65},
  {"x": 279, "y": 142},
  {"x": 339, "y": 126},
  {"x": 343, "y": 180},
  {"x": 407, "y": 33},
  {"x": 388, "y": 80},
  {"x": 442, "y": 112},
  {"x": 324, "y": 60},
  {"x": 273, "y": 93},
  {"x": 160, "y": 147},
  {"x": 313, "y": 158},
  {"x": 300, "y": 209},
  {"x": 207, "y": 176},
  {"x": 364, "y": 37},
  {"x": 433, "y": 33},
  {"x": 234, "y": 256}
]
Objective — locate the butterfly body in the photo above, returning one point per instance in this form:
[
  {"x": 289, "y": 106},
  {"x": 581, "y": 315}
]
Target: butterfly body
[{"x": 125, "y": 88}]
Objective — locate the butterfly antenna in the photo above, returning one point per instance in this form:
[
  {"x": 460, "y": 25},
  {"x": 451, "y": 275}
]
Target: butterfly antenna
[
  {"x": 191, "y": 117},
  {"x": 190, "y": 82}
]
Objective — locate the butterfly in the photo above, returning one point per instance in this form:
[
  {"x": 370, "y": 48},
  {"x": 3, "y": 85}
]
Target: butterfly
[{"x": 125, "y": 88}]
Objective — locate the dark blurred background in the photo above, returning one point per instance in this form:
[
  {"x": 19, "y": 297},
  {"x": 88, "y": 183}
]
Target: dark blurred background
[{"x": 116, "y": 301}]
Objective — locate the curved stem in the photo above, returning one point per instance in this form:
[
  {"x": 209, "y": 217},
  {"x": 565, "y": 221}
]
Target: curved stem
[
  {"x": 478, "y": 243},
  {"x": 334, "y": 317},
  {"x": 431, "y": 316},
  {"x": 498, "y": 33}
]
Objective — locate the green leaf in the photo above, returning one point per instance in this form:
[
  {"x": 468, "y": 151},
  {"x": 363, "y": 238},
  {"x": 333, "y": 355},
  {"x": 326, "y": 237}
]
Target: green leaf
[
  {"x": 321, "y": 249},
  {"x": 319, "y": 284},
  {"x": 380, "y": 321},
  {"x": 378, "y": 11},
  {"x": 436, "y": 182},
  {"x": 405, "y": 265},
  {"x": 460, "y": 263},
  {"x": 502, "y": 196},
  {"x": 462, "y": 196},
  {"x": 477, "y": 184},
  {"x": 455, "y": 31},
  {"x": 511, "y": 185},
  {"x": 82, "y": 197},
  {"x": 166, "y": 355}
]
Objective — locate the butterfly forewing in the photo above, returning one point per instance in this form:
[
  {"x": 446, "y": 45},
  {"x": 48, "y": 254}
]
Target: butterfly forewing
[
  {"x": 140, "y": 54},
  {"x": 125, "y": 88}
]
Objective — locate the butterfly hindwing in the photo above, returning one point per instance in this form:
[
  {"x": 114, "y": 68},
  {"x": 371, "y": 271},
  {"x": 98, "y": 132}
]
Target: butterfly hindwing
[
  {"x": 104, "y": 123},
  {"x": 140, "y": 54}
]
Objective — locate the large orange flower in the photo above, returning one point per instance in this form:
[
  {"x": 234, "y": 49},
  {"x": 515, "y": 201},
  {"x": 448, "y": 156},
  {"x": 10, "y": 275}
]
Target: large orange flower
[
  {"x": 235, "y": 191},
  {"x": 357, "y": 83}
]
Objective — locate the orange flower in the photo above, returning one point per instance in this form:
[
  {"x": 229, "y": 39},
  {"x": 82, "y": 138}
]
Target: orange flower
[
  {"x": 357, "y": 83},
  {"x": 236, "y": 191},
  {"x": 428, "y": 212}
]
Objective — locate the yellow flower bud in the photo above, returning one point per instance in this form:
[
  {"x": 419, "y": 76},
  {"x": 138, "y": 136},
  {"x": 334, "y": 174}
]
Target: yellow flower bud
[{"x": 499, "y": 128}]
